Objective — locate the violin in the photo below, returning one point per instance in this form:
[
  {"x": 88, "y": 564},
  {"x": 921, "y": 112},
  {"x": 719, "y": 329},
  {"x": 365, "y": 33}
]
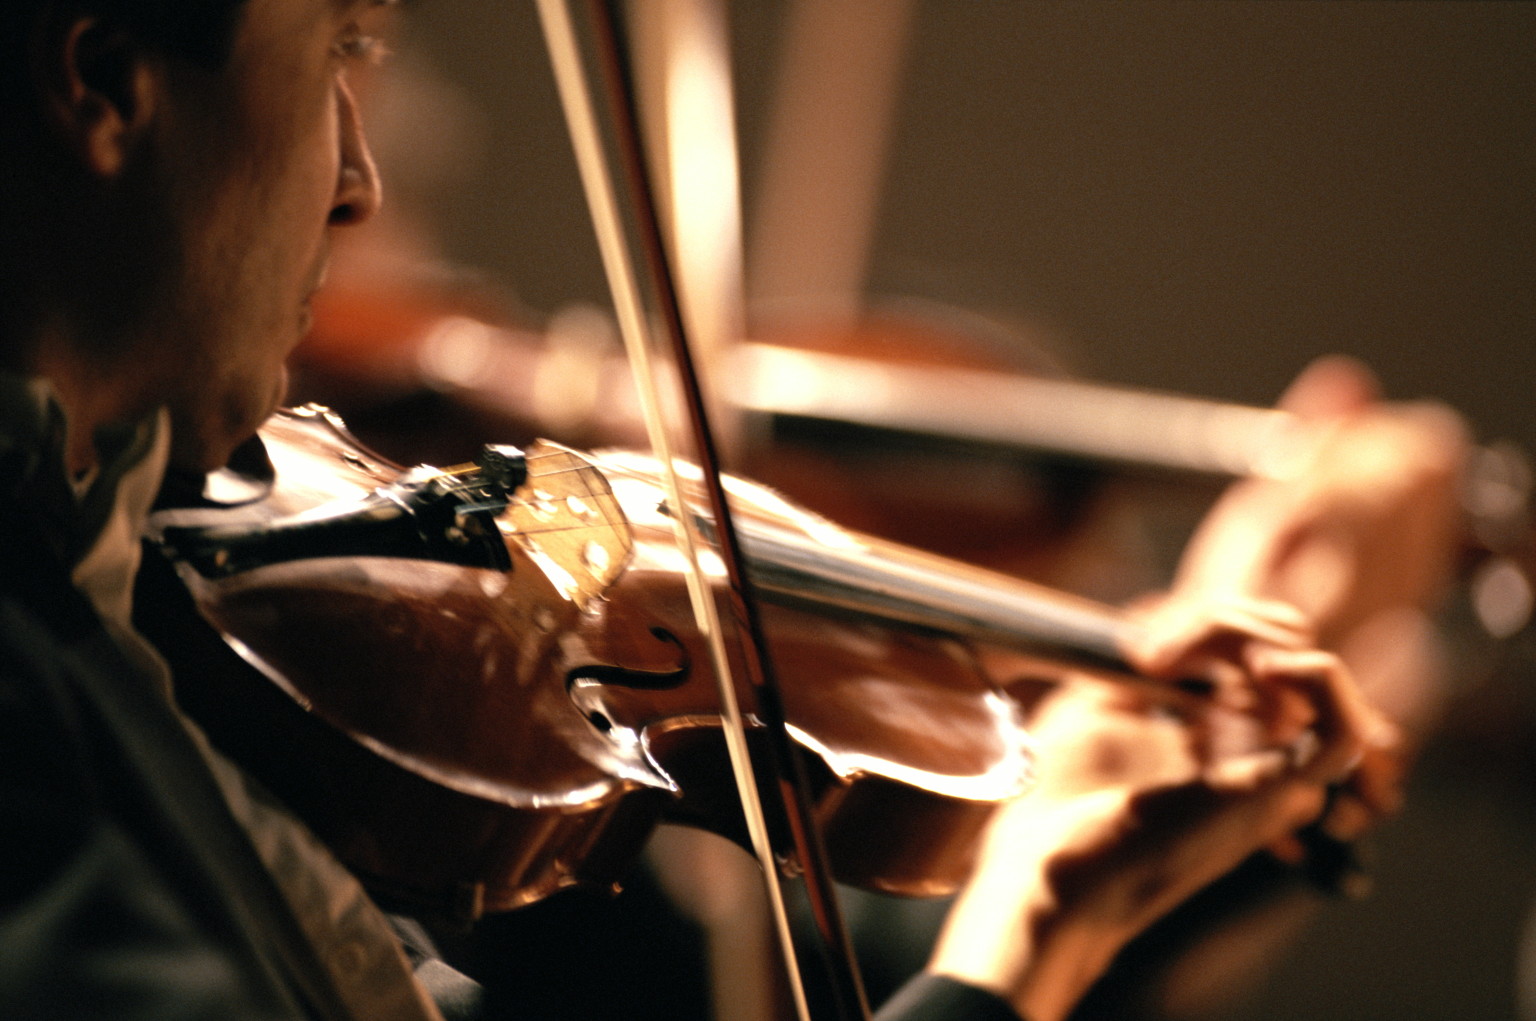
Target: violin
[{"x": 506, "y": 649}]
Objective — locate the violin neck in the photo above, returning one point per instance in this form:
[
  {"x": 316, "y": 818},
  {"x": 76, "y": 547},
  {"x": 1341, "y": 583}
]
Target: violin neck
[{"x": 895, "y": 584}]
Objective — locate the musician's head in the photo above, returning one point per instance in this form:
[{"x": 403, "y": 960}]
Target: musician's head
[{"x": 172, "y": 170}]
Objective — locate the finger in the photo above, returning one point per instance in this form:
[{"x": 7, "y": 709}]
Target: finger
[
  {"x": 1347, "y": 817},
  {"x": 1179, "y": 635},
  {"x": 1284, "y": 713},
  {"x": 1344, "y": 725},
  {"x": 1250, "y": 771},
  {"x": 1288, "y": 849},
  {"x": 1376, "y": 785},
  {"x": 1235, "y": 610}
]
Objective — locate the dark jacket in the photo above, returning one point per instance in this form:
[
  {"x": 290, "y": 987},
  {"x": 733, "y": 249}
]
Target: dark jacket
[{"x": 128, "y": 889}]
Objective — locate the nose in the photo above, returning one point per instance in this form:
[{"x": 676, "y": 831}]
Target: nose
[{"x": 358, "y": 192}]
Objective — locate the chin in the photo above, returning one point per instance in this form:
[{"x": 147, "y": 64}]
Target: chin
[
  {"x": 279, "y": 393},
  {"x": 199, "y": 457},
  {"x": 205, "y": 443}
]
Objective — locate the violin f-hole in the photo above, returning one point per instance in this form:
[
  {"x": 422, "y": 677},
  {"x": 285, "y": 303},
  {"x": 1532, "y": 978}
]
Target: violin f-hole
[
  {"x": 585, "y": 684},
  {"x": 631, "y": 677}
]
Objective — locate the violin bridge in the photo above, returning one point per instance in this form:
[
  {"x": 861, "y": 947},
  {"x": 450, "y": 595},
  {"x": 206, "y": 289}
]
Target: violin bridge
[{"x": 566, "y": 518}]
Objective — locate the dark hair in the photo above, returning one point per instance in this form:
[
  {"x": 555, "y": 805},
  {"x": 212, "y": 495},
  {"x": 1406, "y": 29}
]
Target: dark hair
[
  {"x": 201, "y": 31},
  {"x": 198, "y": 30}
]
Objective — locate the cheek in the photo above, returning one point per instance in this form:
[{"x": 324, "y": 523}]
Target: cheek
[
  {"x": 294, "y": 170},
  {"x": 282, "y": 251}
]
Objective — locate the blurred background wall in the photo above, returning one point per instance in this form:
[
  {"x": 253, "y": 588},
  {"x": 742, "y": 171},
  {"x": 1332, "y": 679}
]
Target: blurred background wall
[{"x": 1192, "y": 196}]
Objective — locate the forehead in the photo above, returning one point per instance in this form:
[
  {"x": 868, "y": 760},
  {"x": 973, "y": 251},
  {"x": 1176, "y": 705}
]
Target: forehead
[
  {"x": 271, "y": 26},
  {"x": 294, "y": 14},
  {"x": 360, "y": 8}
]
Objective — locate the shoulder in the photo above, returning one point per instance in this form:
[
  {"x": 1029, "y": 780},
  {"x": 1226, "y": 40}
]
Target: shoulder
[{"x": 101, "y": 849}]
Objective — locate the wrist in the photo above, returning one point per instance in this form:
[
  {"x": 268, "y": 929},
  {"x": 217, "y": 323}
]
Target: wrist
[
  {"x": 1045, "y": 973},
  {"x": 1012, "y": 933}
]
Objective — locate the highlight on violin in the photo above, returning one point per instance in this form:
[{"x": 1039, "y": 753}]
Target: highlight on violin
[{"x": 779, "y": 514}]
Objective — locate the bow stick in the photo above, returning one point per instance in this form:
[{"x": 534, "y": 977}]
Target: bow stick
[{"x": 592, "y": 77}]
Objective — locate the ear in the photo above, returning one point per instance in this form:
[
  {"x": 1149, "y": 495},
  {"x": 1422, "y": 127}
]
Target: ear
[{"x": 98, "y": 86}]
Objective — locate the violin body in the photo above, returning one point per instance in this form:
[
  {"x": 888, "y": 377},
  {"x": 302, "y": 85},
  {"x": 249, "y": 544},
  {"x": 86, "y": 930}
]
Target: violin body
[{"x": 472, "y": 739}]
